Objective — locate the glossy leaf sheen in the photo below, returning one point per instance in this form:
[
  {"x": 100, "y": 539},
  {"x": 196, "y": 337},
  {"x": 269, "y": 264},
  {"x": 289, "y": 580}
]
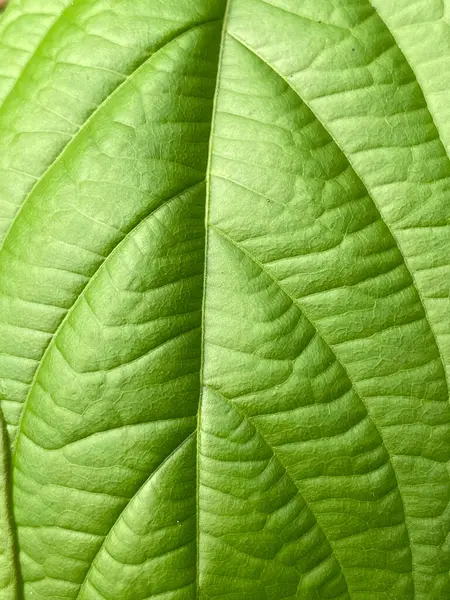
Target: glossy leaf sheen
[{"x": 224, "y": 300}]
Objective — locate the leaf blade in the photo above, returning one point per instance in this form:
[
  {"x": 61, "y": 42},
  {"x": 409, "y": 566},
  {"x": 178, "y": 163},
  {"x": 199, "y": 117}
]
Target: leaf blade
[
  {"x": 252, "y": 404},
  {"x": 299, "y": 272},
  {"x": 9, "y": 576}
]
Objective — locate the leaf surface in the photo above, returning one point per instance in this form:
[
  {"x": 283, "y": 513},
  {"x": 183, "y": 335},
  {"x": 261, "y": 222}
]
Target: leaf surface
[{"x": 224, "y": 303}]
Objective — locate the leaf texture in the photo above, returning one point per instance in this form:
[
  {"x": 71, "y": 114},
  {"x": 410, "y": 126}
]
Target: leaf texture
[
  {"x": 224, "y": 300},
  {"x": 8, "y": 562}
]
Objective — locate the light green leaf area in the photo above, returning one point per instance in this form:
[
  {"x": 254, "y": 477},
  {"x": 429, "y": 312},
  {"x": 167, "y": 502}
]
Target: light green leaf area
[{"x": 224, "y": 300}]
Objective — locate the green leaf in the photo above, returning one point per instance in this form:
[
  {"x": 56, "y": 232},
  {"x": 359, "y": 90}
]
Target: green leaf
[
  {"x": 8, "y": 561},
  {"x": 224, "y": 300}
]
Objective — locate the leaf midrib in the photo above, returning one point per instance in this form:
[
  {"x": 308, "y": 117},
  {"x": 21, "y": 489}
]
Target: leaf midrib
[
  {"x": 203, "y": 324},
  {"x": 226, "y": 15}
]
